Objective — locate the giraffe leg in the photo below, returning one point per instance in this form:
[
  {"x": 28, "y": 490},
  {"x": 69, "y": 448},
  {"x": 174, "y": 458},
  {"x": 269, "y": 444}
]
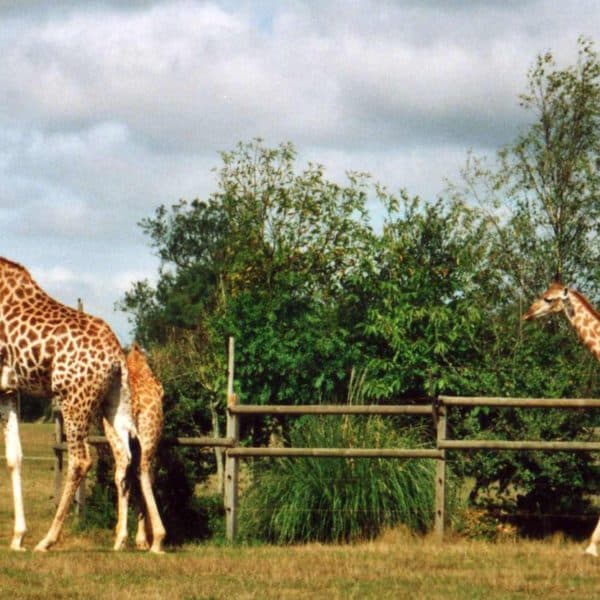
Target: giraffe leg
[
  {"x": 79, "y": 463},
  {"x": 14, "y": 461},
  {"x": 152, "y": 522},
  {"x": 592, "y": 548},
  {"x": 121, "y": 456}
]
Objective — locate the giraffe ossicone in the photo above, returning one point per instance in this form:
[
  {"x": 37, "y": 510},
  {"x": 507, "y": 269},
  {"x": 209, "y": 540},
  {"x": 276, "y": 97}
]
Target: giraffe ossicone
[
  {"x": 50, "y": 350},
  {"x": 586, "y": 321}
]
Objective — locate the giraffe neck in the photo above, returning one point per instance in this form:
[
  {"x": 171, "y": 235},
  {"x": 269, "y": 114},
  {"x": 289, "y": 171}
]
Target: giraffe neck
[{"x": 586, "y": 321}]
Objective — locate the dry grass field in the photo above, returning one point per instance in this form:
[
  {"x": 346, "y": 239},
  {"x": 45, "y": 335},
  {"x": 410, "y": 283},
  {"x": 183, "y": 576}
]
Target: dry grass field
[{"x": 394, "y": 566}]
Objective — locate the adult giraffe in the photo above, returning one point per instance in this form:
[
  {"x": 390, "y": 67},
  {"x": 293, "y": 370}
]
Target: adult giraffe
[
  {"x": 586, "y": 321},
  {"x": 50, "y": 350}
]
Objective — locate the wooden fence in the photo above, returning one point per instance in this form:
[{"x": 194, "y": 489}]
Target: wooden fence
[{"x": 438, "y": 409}]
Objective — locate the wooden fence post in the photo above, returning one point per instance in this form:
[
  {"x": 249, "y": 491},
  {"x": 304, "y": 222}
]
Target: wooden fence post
[
  {"x": 231, "y": 462},
  {"x": 440, "y": 471}
]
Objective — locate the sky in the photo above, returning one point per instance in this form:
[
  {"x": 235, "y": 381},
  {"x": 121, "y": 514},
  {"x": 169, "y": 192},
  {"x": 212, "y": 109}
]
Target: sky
[{"x": 110, "y": 109}]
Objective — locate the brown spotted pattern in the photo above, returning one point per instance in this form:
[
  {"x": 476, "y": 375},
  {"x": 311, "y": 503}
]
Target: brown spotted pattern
[
  {"x": 146, "y": 406},
  {"x": 48, "y": 349},
  {"x": 586, "y": 322}
]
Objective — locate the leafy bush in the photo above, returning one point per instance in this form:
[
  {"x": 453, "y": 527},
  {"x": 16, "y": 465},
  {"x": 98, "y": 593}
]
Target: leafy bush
[{"x": 338, "y": 499}]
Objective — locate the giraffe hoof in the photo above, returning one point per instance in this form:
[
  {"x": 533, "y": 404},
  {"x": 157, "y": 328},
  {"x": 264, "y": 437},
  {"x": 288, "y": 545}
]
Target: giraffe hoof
[
  {"x": 17, "y": 544},
  {"x": 119, "y": 545},
  {"x": 591, "y": 551}
]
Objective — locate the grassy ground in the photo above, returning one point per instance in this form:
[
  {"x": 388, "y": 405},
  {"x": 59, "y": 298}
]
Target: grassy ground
[{"x": 394, "y": 566}]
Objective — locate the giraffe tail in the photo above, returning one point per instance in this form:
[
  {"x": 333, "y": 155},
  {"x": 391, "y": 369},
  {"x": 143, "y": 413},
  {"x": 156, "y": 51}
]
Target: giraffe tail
[{"x": 118, "y": 408}]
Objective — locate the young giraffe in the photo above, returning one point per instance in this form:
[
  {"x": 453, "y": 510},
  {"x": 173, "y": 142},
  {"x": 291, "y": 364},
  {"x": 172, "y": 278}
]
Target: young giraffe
[
  {"x": 146, "y": 407},
  {"x": 586, "y": 321},
  {"x": 50, "y": 350}
]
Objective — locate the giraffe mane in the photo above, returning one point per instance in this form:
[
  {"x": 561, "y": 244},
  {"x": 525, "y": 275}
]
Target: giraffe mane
[
  {"x": 14, "y": 265},
  {"x": 25, "y": 275},
  {"x": 587, "y": 304}
]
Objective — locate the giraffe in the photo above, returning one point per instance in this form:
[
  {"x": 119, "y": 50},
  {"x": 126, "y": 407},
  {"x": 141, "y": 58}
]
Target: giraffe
[
  {"x": 586, "y": 321},
  {"x": 50, "y": 350},
  {"x": 146, "y": 407}
]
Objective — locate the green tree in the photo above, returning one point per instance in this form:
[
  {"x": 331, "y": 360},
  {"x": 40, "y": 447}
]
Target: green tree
[
  {"x": 543, "y": 192},
  {"x": 553, "y": 168},
  {"x": 265, "y": 258}
]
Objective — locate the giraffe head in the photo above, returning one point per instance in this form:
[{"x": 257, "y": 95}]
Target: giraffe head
[{"x": 553, "y": 300}]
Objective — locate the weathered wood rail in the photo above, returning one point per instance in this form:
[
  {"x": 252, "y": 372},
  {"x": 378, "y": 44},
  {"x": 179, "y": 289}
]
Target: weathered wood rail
[{"x": 438, "y": 409}]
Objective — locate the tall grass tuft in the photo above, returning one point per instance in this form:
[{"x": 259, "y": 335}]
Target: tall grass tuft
[{"x": 340, "y": 500}]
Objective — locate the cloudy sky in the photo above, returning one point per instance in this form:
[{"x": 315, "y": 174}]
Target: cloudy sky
[{"x": 109, "y": 109}]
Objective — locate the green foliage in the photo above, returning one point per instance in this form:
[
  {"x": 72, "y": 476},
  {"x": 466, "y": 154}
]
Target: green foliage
[
  {"x": 265, "y": 259},
  {"x": 185, "y": 516},
  {"x": 424, "y": 309},
  {"x": 538, "y": 482},
  {"x": 282, "y": 344},
  {"x": 309, "y": 499}
]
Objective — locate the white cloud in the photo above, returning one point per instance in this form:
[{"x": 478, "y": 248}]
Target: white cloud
[
  {"x": 188, "y": 75},
  {"x": 110, "y": 108},
  {"x": 95, "y": 182},
  {"x": 53, "y": 277}
]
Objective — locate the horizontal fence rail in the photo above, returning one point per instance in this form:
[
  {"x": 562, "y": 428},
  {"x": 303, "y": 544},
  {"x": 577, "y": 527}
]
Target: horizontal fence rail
[
  {"x": 335, "y": 409},
  {"x": 519, "y": 402},
  {"x": 337, "y": 452},
  {"x": 547, "y": 446}
]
